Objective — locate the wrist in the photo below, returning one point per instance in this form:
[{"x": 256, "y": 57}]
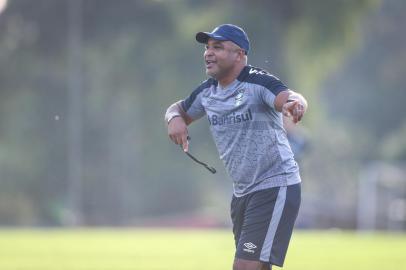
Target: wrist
[
  {"x": 298, "y": 98},
  {"x": 171, "y": 117}
]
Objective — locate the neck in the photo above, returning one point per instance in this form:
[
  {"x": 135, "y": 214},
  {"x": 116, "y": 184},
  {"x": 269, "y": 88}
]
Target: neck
[{"x": 227, "y": 80}]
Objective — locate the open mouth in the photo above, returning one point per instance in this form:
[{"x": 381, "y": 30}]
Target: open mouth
[{"x": 210, "y": 63}]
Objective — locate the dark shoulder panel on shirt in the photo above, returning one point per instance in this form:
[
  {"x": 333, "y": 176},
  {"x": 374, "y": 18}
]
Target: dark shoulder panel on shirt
[
  {"x": 262, "y": 77},
  {"x": 192, "y": 97}
]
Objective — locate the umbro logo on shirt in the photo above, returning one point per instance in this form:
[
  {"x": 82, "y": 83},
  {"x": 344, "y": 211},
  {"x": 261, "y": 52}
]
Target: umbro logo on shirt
[{"x": 212, "y": 102}]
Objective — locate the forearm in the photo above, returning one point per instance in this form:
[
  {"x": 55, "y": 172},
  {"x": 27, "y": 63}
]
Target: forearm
[
  {"x": 291, "y": 104},
  {"x": 177, "y": 121},
  {"x": 175, "y": 110},
  {"x": 293, "y": 96},
  {"x": 288, "y": 96}
]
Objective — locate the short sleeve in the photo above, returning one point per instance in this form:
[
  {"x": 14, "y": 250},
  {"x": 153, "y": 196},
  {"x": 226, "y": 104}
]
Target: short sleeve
[
  {"x": 270, "y": 89},
  {"x": 192, "y": 105}
]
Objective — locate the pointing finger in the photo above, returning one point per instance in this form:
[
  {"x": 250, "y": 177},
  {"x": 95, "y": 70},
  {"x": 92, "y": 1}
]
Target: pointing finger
[{"x": 185, "y": 143}]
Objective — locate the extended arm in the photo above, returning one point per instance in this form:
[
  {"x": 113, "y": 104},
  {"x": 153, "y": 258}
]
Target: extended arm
[{"x": 177, "y": 121}]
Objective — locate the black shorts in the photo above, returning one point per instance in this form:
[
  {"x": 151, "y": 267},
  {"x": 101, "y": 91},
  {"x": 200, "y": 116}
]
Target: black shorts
[{"x": 263, "y": 222}]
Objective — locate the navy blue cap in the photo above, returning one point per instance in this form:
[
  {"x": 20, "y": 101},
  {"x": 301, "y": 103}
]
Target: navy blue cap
[{"x": 224, "y": 32}]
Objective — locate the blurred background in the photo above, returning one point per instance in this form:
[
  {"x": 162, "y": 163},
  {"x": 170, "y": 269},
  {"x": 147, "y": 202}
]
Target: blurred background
[{"x": 84, "y": 85}]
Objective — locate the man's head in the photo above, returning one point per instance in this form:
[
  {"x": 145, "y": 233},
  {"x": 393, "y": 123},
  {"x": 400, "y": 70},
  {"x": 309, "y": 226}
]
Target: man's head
[
  {"x": 226, "y": 51},
  {"x": 225, "y": 32}
]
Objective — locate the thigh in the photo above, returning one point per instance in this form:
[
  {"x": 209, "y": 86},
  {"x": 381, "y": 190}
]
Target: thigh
[
  {"x": 240, "y": 264},
  {"x": 257, "y": 217},
  {"x": 268, "y": 223},
  {"x": 278, "y": 246},
  {"x": 237, "y": 210}
]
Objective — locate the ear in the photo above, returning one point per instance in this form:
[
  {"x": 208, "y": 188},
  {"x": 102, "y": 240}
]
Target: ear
[{"x": 241, "y": 54}]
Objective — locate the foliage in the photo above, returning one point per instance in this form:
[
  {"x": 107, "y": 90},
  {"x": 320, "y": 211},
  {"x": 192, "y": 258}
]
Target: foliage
[{"x": 139, "y": 57}]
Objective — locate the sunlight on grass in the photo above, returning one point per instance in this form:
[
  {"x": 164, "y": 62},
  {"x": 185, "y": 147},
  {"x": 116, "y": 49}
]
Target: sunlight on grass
[{"x": 105, "y": 249}]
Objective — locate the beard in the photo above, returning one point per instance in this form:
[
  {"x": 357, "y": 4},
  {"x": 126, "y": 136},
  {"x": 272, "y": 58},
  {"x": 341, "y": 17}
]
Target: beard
[{"x": 219, "y": 72}]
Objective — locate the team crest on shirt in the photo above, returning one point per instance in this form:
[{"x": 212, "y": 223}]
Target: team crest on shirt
[{"x": 239, "y": 97}]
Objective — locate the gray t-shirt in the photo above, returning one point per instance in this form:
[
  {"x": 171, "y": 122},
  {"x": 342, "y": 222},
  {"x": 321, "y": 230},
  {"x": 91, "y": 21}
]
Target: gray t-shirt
[{"x": 247, "y": 130}]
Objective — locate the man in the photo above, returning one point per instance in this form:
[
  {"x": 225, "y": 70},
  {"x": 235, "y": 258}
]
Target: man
[{"x": 244, "y": 107}]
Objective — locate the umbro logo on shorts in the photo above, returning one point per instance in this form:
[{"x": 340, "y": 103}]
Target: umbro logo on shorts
[{"x": 249, "y": 247}]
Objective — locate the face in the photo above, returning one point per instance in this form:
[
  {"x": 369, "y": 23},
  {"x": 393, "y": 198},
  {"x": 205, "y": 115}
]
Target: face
[{"x": 220, "y": 58}]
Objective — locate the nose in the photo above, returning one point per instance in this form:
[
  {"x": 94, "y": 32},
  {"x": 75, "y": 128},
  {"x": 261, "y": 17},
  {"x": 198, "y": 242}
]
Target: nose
[{"x": 207, "y": 52}]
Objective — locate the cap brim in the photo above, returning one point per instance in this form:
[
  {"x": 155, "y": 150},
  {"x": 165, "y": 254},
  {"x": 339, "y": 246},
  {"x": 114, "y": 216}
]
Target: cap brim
[{"x": 203, "y": 37}]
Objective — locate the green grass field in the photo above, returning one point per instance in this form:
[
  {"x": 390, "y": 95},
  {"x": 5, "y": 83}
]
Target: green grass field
[{"x": 109, "y": 249}]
